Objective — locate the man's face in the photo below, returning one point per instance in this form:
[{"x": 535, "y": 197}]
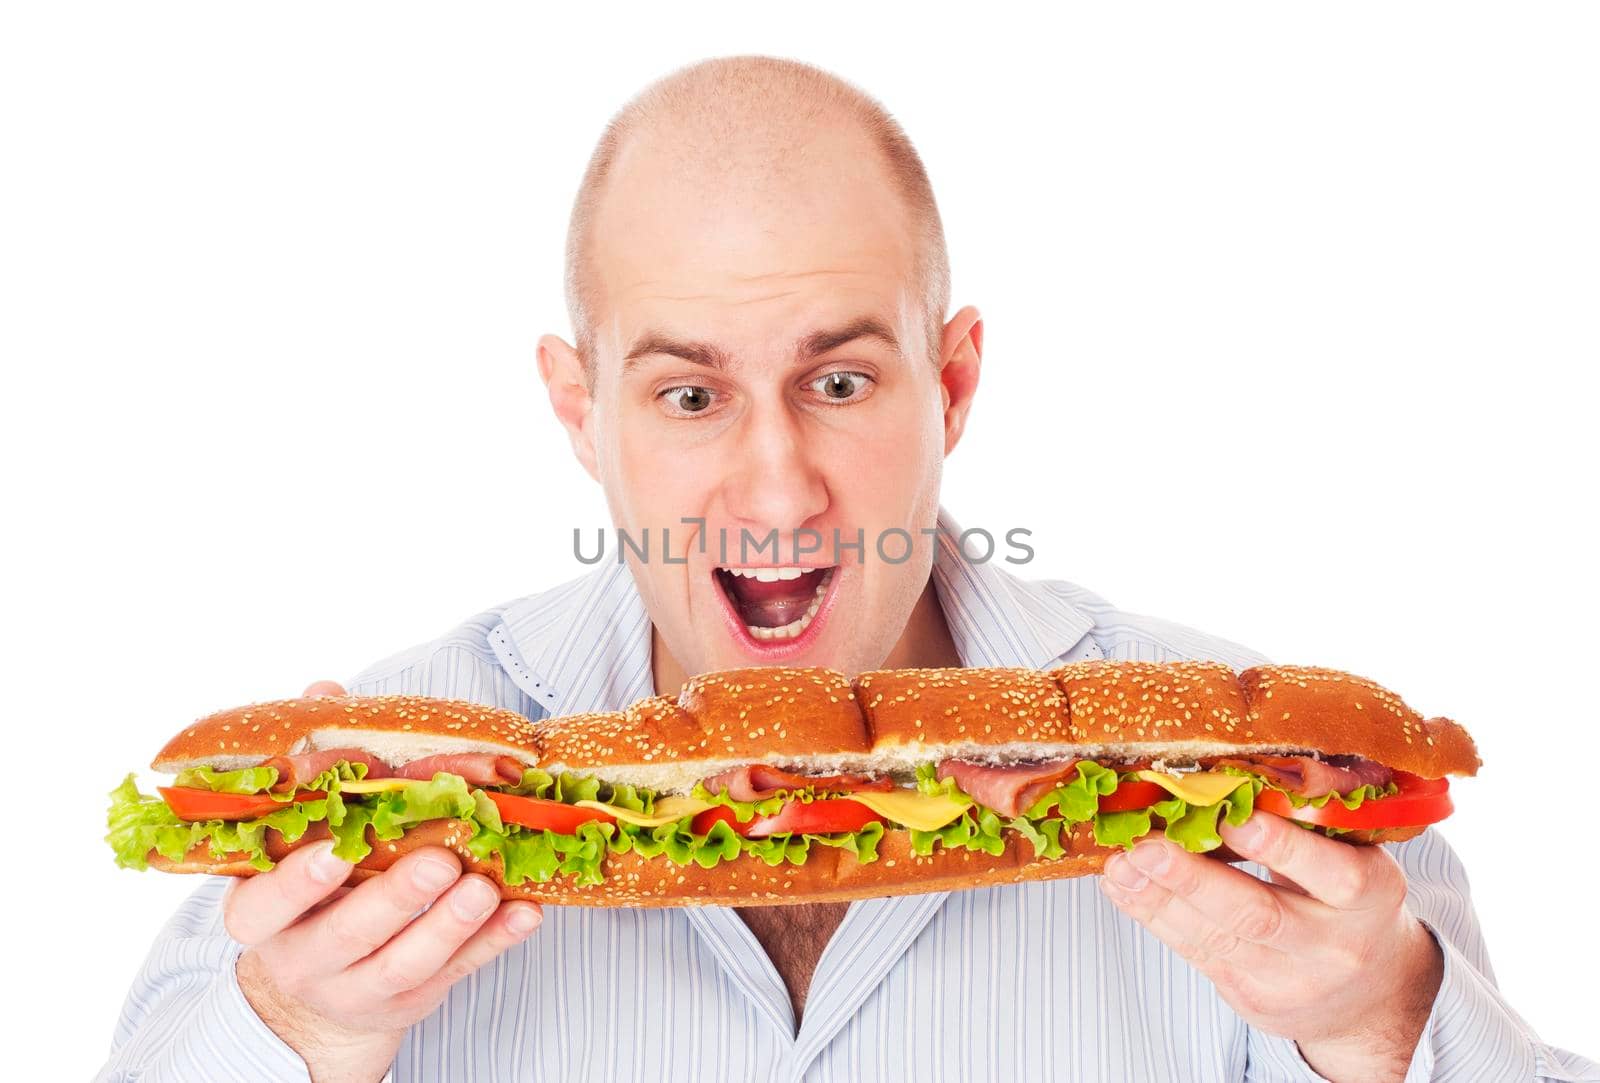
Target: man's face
[{"x": 722, "y": 393}]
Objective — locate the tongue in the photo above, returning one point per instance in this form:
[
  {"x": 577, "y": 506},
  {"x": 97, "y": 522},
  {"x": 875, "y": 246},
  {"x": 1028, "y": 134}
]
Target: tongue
[{"x": 771, "y": 605}]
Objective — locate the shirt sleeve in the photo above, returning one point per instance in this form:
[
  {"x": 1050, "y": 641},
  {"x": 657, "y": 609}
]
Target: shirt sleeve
[
  {"x": 1471, "y": 1032},
  {"x": 185, "y": 1017}
]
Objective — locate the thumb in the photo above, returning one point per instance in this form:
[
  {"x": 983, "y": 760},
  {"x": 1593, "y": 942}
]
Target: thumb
[{"x": 317, "y": 689}]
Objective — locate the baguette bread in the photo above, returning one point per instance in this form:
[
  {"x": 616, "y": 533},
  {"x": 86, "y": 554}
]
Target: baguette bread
[{"x": 817, "y": 721}]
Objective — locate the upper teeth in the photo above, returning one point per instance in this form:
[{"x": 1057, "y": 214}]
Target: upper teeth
[{"x": 768, "y": 575}]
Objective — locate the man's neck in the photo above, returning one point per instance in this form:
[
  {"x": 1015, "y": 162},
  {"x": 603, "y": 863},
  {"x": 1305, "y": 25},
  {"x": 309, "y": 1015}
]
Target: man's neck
[{"x": 925, "y": 642}]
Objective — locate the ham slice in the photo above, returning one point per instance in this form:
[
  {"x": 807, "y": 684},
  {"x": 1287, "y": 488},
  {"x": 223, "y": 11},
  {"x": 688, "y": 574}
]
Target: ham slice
[
  {"x": 1010, "y": 789},
  {"x": 478, "y": 768},
  {"x": 1311, "y": 777},
  {"x": 758, "y": 782},
  {"x": 296, "y": 770}
]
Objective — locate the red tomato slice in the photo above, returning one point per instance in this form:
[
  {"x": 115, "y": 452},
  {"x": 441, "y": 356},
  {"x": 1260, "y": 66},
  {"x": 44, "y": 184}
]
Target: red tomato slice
[
  {"x": 704, "y": 821},
  {"x": 1131, "y": 795},
  {"x": 1415, "y": 784},
  {"x": 189, "y": 803},
  {"x": 540, "y": 814},
  {"x": 829, "y": 816},
  {"x": 1421, "y": 801}
]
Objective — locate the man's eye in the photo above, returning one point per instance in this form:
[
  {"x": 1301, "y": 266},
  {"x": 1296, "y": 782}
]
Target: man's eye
[
  {"x": 843, "y": 386},
  {"x": 690, "y": 400}
]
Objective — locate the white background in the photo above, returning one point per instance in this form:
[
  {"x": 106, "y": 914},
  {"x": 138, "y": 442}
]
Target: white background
[{"x": 1291, "y": 326}]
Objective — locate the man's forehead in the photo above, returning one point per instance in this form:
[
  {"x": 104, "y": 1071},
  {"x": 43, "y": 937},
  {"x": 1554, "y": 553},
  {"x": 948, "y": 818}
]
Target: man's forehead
[
  {"x": 749, "y": 246},
  {"x": 753, "y": 249}
]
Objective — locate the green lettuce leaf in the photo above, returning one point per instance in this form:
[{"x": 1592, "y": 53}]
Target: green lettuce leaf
[
  {"x": 776, "y": 849},
  {"x": 245, "y": 780},
  {"x": 541, "y": 855},
  {"x": 571, "y": 788},
  {"x": 679, "y": 844},
  {"x": 1079, "y": 799},
  {"x": 928, "y": 782},
  {"x": 863, "y": 843},
  {"x": 745, "y": 811},
  {"x": 137, "y": 824},
  {"x": 1044, "y": 834},
  {"x": 1121, "y": 828},
  {"x": 350, "y": 833},
  {"x": 329, "y": 780},
  {"x": 1350, "y": 800},
  {"x": 1194, "y": 827},
  {"x": 977, "y": 828},
  {"x": 445, "y": 797},
  {"x": 262, "y": 779}
]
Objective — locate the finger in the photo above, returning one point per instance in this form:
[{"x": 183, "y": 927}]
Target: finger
[
  {"x": 1193, "y": 936},
  {"x": 422, "y": 948},
  {"x": 511, "y": 924},
  {"x": 1287, "y": 884},
  {"x": 1230, "y": 899},
  {"x": 367, "y": 918},
  {"x": 324, "y": 688},
  {"x": 260, "y": 907},
  {"x": 1343, "y": 876},
  {"x": 338, "y": 893}
]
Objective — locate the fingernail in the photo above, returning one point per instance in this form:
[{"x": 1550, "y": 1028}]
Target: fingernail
[
  {"x": 473, "y": 900},
  {"x": 433, "y": 875},
  {"x": 1152, "y": 857},
  {"x": 325, "y": 868},
  {"x": 1124, "y": 874},
  {"x": 522, "y": 920},
  {"x": 1246, "y": 835}
]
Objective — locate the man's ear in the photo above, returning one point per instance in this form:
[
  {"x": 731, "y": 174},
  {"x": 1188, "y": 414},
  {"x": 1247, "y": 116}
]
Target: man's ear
[
  {"x": 562, "y": 373},
  {"x": 960, "y": 357}
]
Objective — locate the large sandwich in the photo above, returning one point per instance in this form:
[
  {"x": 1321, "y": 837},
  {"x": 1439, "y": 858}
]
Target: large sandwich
[{"x": 781, "y": 785}]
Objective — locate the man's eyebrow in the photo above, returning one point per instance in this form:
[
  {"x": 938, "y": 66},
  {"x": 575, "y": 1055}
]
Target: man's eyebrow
[
  {"x": 711, "y": 356},
  {"x": 820, "y": 342},
  {"x": 652, "y": 342}
]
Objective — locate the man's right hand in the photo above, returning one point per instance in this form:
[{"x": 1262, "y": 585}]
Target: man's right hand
[{"x": 339, "y": 973}]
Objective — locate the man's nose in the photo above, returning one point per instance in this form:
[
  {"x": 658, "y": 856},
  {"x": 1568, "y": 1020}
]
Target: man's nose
[{"x": 776, "y": 482}]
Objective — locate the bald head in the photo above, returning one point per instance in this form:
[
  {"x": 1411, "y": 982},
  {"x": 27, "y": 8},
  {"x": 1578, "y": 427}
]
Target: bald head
[{"x": 737, "y": 128}]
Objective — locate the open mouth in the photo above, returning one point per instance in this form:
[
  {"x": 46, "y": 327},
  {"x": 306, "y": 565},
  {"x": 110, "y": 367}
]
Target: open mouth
[{"x": 776, "y": 603}]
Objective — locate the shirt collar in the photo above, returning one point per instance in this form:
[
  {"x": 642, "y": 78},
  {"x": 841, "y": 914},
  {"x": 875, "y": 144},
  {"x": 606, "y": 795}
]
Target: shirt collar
[
  {"x": 579, "y": 647},
  {"x": 585, "y": 645},
  {"x": 997, "y": 618}
]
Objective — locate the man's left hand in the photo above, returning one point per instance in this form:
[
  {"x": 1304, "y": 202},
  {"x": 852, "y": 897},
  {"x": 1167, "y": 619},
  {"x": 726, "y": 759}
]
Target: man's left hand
[{"x": 1327, "y": 954}]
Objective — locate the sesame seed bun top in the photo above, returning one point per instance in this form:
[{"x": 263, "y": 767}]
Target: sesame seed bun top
[
  {"x": 394, "y": 728},
  {"x": 1350, "y": 715},
  {"x": 1141, "y": 702},
  {"x": 886, "y": 721}
]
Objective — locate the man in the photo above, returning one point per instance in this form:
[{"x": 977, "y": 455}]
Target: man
[{"x": 758, "y": 287}]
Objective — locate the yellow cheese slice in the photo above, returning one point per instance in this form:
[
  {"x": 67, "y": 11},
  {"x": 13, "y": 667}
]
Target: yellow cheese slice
[
  {"x": 668, "y": 809},
  {"x": 921, "y": 811},
  {"x": 375, "y": 785},
  {"x": 1196, "y": 787}
]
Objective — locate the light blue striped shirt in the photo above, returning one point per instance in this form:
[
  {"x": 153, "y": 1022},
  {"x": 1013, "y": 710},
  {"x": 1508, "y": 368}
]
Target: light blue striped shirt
[{"x": 1037, "y": 981}]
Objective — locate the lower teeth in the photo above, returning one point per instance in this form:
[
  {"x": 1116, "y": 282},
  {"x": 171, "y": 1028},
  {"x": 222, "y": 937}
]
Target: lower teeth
[{"x": 798, "y": 625}]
